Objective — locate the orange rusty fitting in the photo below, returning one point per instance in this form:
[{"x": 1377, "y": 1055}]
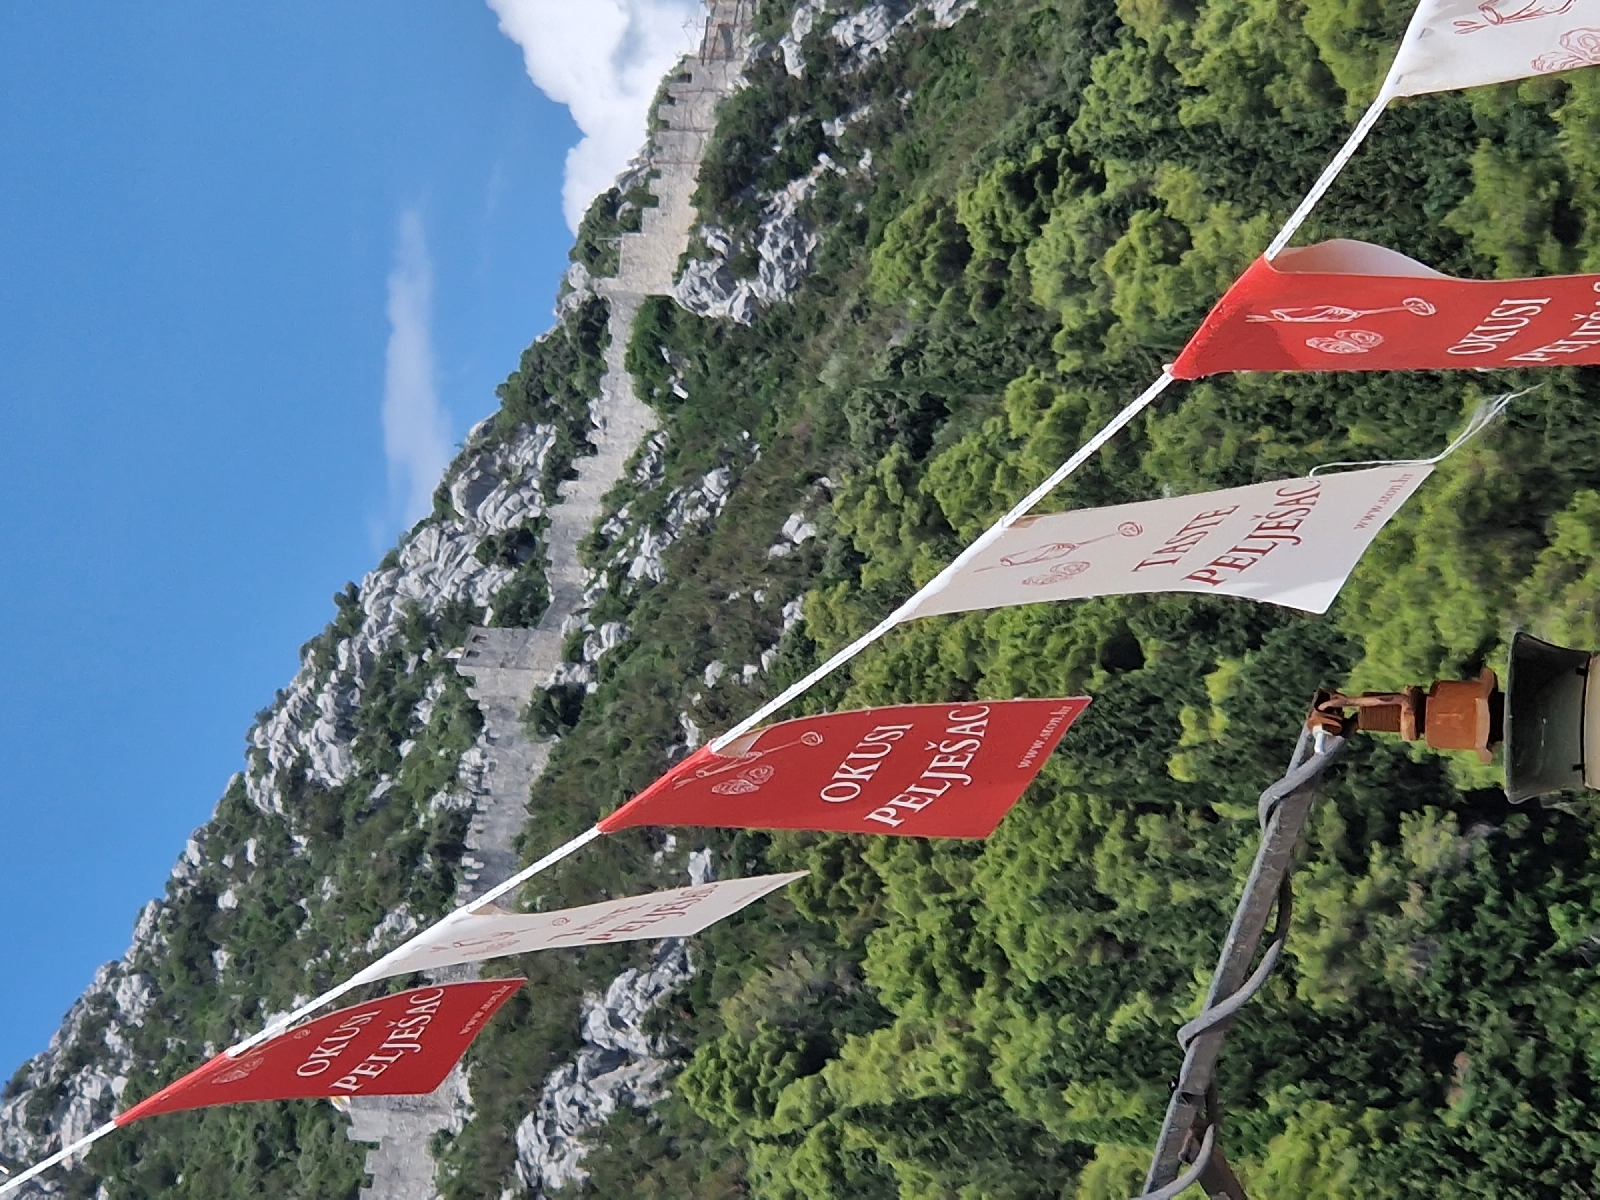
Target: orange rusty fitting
[
  {"x": 1396, "y": 712},
  {"x": 1459, "y": 715},
  {"x": 1451, "y": 716}
]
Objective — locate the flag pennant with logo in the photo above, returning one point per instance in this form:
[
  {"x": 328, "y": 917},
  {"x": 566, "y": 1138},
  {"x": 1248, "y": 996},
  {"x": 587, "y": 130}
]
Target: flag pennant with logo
[
  {"x": 1292, "y": 542},
  {"x": 1460, "y": 44},
  {"x": 401, "y": 1045},
  {"x": 917, "y": 770},
  {"x": 493, "y": 933},
  {"x": 1352, "y": 306}
]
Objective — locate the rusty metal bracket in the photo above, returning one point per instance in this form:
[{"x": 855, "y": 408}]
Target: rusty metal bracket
[
  {"x": 1374, "y": 712},
  {"x": 1453, "y": 714}
]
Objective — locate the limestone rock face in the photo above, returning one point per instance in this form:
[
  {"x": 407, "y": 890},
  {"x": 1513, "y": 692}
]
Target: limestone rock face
[
  {"x": 688, "y": 509},
  {"x": 796, "y": 532},
  {"x": 784, "y": 239},
  {"x": 634, "y": 560},
  {"x": 785, "y": 242},
  {"x": 866, "y": 33},
  {"x": 619, "y": 1065},
  {"x": 493, "y": 490},
  {"x": 577, "y": 290},
  {"x": 84, "y": 1097}
]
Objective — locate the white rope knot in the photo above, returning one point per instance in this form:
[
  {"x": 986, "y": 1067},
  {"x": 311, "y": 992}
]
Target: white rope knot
[{"x": 1486, "y": 414}]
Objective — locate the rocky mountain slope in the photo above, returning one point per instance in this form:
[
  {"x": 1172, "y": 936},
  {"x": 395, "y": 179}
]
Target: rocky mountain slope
[{"x": 934, "y": 245}]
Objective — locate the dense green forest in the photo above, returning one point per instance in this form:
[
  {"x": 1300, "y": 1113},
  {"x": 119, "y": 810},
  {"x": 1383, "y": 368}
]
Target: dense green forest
[{"x": 1057, "y": 191}]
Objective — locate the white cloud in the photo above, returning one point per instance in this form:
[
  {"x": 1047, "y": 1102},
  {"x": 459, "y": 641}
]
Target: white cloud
[
  {"x": 416, "y": 431},
  {"x": 604, "y": 60}
]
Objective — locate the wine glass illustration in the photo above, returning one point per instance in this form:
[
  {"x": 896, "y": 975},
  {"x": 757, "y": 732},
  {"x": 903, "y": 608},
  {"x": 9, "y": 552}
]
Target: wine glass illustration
[
  {"x": 745, "y": 761},
  {"x": 1511, "y": 12},
  {"x": 1051, "y": 551},
  {"x": 1334, "y": 314}
]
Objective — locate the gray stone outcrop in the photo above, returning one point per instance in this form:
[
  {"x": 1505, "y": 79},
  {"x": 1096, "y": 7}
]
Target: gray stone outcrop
[
  {"x": 866, "y": 33},
  {"x": 619, "y": 1065},
  {"x": 784, "y": 240}
]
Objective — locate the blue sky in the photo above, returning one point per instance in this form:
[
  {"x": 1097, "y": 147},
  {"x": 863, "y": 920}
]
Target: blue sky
[{"x": 209, "y": 214}]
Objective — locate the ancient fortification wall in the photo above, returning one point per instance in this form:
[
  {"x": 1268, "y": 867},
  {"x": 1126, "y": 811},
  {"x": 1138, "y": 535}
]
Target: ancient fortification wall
[{"x": 506, "y": 665}]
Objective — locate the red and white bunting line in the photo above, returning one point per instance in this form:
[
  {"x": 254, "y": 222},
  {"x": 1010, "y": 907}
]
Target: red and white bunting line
[{"x": 1332, "y": 171}]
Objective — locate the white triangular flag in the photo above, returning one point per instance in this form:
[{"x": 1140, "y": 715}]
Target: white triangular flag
[
  {"x": 1292, "y": 542},
  {"x": 495, "y": 933},
  {"x": 1460, "y": 44}
]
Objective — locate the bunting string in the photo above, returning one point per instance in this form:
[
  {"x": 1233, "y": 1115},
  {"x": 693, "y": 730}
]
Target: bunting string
[
  {"x": 328, "y": 997},
  {"x": 876, "y": 634},
  {"x": 1024, "y": 506},
  {"x": 59, "y": 1157},
  {"x": 1482, "y": 417},
  {"x": 1117, "y": 423},
  {"x": 1333, "y": 170}
]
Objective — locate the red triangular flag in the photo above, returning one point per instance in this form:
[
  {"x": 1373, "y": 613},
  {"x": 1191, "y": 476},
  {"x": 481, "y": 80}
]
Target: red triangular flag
[
  {"x": 1352, "y": 306},
  {"x": 917, "y": 770},
  {"x": 401, "y": 1045}
]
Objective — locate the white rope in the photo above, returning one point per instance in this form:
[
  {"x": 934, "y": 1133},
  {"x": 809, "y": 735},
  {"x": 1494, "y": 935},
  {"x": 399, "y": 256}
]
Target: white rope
[
  {"x": 527, "y": 873},
  {"x": 375, "y": 971},
  {"x": 59, "y": 1156},
  {"x": 283, "y": 1023},
  {"x": 1487, "y": 412},
  {"x": 939, "y": 581},
  {"x": 1332, "y": 170}
]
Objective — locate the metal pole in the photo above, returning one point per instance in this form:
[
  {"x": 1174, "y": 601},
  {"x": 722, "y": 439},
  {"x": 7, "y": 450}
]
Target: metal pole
[{"x": 1284, "y": 809}]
